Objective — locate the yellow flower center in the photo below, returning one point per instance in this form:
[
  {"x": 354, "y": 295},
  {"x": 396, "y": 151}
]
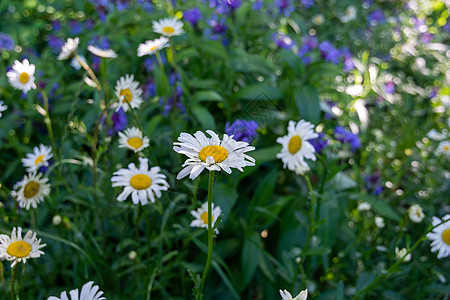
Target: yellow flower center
[
  {"x": 39, "y": 160},
  {"x": 140, "y": 181},
  {"x": 127, "y": 95},
  {"x": 446, "y": 236},
  {"x": 204, "y": 217},
  {"x": 168, "y": 29},
  {"x": 153, "y": 48},
  {"x": 19, "y": 249},
  {"x": 135, "y": 142},
  {"x": 295, "y": 143},
  {"x": 446, "y": 148},
  {"x": 24, "y": 77},
  {"x": 219, "y": 153},
  {"x": 31, "y": 189}
]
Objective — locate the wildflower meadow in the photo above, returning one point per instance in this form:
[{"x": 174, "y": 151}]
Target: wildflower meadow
[{"x": 224, "y": 149}]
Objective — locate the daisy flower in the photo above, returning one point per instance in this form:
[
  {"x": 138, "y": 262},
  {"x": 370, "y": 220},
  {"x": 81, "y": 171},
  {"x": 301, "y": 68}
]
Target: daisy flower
[
  {"x": 296, "y": 146},
  {"x": 211, "y": 153},
  {"x": 302, "y": 168},
  {"x": 415, "y": 213},
  {"x": 31, "y": 190},
  {"x": 88, "y": 292},
  {"x": 399, "y": 253},
  {"x": 21, "y": 76},
  {"x": 168, "y": 27},
  {"x": 2, "y": 108},
  {"x": 151, "y": 47},
  {"x": 201, "y": 216},
  {"x": 106, "y": 53},
  {"x": 69, "y": 48},
  {"x": 18, "y": 249},
  {"x": 142, "y": 183},
  {"x": 133, "y": 139},
  {"x": 127, "y": 90},
  {"x": 285, "y": 295},
  {"x": 39, "y": 158},
  {"x": 444, "y": 147},
  {"x": 440, "y": 237}
]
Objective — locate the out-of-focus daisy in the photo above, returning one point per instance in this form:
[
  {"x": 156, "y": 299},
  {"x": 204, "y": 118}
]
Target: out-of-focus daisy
[
  {"x": 379, "y": 222},
  {"x": 363, "y": 206},
  {"x": 88, "y": 292},
  {"x": 399, "y": 253},
  {"x": 127, "y": 90},
  {"x": 296, "y": 146},
  {"x": 350, "y": 14},
  {"x": 69, "y": 48},
  {"x": 302, "y": 169},
  {"x": 133, "y": 139},
  {"x": 17, "y": 249},
  {"x": 415, "y": 213},
  {"x": 444, "y": 147},
  {"x": 435, "y": 135},
  {"x": 31, "y": 190},
  {"x": 39, "y": 158},
  {"x": 285, "y": 295},
  {"x": 168, "y": 27},
  {"x": 21, "y": 76},
  {"x": 440, "y": 237},
  {"x": 151, "y": 47},
  {"x": 2, "y": 108},
  {"x": 141, "y": 183},
  {"x": 211, "y": 153},
  {"x": 76, "y": 64},
  {"x": 318, "y": 19},
  {"x": 106, "y": 53},
  {"x": 201, "y": 216}
]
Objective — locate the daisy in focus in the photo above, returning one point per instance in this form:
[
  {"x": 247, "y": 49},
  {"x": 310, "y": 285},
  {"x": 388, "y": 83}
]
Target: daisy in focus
[
  {"x": 39, "y": 158},
  {"x": 444, "y": 147},
  {"x": 31, "y": 190},
  {"x": 88, "y": 292},
  {"x": 106, "y": 53},
  {"x": 415, "y": 213},
  {"x": 285, "y": 295},
  {"x": 296, "y": 146},
  {"x": 440, "y": 237},
  {"x": 133, "y": 139},
  {"x": 201, "y": 216},
  {"x": 141, "y": 183},
  {"x": 21, "y": 76},
  {"x": 2, "y": 108},
  {"x": 211, "y": 153},
  {"x": 17, "y": 249},
  {"x": 151, "y": 47},
  {"x": 128, "y": 92},
  {"x": 168, "y": 27},
  {"x": 69, "y": 48}
]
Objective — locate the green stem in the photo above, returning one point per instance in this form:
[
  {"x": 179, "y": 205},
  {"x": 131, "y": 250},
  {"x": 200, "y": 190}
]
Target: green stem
[
  {"x": 322, "y": 184},
  {"x": 14, "y": 292},
  {"x": 210, "y": 231}
]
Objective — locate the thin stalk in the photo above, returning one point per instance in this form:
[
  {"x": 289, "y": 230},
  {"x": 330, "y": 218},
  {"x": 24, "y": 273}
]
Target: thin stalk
[
  {"x": 90, "y": 72},
  {"x": 322, "y": 184},
  {"x": 14, "y": 291}
]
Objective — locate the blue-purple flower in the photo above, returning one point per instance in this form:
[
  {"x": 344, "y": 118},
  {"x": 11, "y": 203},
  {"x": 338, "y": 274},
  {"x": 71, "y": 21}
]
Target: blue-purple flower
[
  {"x": 373, "y": 183},
  {"x": 319, "y": 143},
  {"x": 282, "y": 40},
  {"x": 347, "y": 137},
  {"x": 376, "y": 17},
  {"x": 6, "y": 42},
  {"x": 242, "y": 130},
  {"x": 192, "y": 15},
  {"x": 389, "y": 87}
]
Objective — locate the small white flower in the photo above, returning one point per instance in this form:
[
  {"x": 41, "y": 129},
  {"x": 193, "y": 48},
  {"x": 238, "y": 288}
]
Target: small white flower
[
  {"x": 350, "y": 14},
  {"x": 364, "y": 206},
  {"x": 69, "y": 48},
  {"x": 318, "y": 19},
  {"x": 444, "y": 147},
  {"x": 21, "y": 76},
  {"x": 168, "y": 27},
  {"x": 211, "y": 153},
  {"x": 415, "y": 213},
  {"x": 31, "y": 190},
  {"x": 400, "y": 253},
  {"x": 106, "y": 53},
  {"x": 379, "y": 221},
  {"x": 76, "y": 64},
  {"x": 18, "y": 249},
  {"x": 201, "y": 216},
  {"x": 435, "y": 135},
  {"x": 56, "y": 220},
  {"x": 151, "y": 47},
  {"x": 39, "y": 158},
  {"x": 2, "y": 108},
  {"x": 132, "y": 255},
  {"x": 285, "y": 295},
  {"x": 128, "y": 93},
  {"x": 88, "y": 292},
  {"x": 133, "y": 139},
  {"x": 141, "y": 183},
  {"x": 440, "y": 237}
]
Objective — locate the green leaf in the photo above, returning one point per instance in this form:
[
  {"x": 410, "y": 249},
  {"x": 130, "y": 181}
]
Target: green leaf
[
  {"x": 225, "y": 279},
  {"x": 308, "y": 103},
  {"x": 259, "y": 92},
  {"x": 250, "y": 257},
  {"x": 207, "y": 96},
  {"x": 203, "y": 116},
  {"x": 318, "y": 251},
  {"x": 215, "y": 48},
  {"x": 382, "y": 208}
]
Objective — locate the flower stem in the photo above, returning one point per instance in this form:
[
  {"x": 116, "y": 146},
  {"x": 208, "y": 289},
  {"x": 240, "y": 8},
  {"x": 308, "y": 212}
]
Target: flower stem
[
  {"x": 14, "y": 292},
  {"x": 210, "y": 231}
]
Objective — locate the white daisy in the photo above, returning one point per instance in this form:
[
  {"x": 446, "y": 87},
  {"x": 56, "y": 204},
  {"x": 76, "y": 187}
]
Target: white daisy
[
  {"x": 201, "y": 216},
  {"x": 88, "y": 292},
  {"x": 76, "y": 64},
  {"x": 399, "y": 253},
  {"x": 127, "y": 90},
  {"x": 21, "y": 76},
  {"x": 39, "y": 158},
  {"x": 350, "y": 14},
  {"x": 211, "y": 153},
  {"x": 285, "y": 295},
  {"x": 379, "y": 222},
  {"x": 2, "y": 108},
  {"x": 295, "y": 144},
  {"x": 444, "y": 147},
  {"x": 107, "y": 53},
  {"x": 440, "y": 237},
  {"x": 168, "y": 27},
  {"x": 69, "y": 48},
  {"x": 151, "y": 47},
  {"x": 142, "y": 183},
  {"x": 318, "y": 19},
  {"x": 31, "y": 190},
  {"x": 18, "y": 249},
  {"x": 415, "y": 213},
  {"x": 133, "y": 139},
  {"x": 302, "y": 169}
]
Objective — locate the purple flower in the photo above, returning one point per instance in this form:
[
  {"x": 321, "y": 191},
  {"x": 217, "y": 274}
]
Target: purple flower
[
  {"x": 331, "y": 104},
  {"x": 55, "y": 43},
  {"x": 329, "y": 52},
  {"x": 347, "y": 137},
  {"x": 282, "y": 41},
  {"x": 192, "y": 15},
  {"x": 146, "y": 5},
  {"x": 242, "y": 130},
  {"x": 319, "y": 143},
  {"x": 389, "y": 87},
  {"x": 426, "y": 38},
  {"x": 6, "y": 42},
  {"x": 218, "y": 26},
  {"x": 75, "y": 27},
  {"x": 56, "y": 25},
  {"x": 434, "y": 92},
  {"x": 307, "y": 3},
  {"x": 119, "y": 120},
  {"x": 233, "y": 4},
  {"x": 373, "y": 183},
  {"x": 284, "y": 6},
  {"x": 258, "y": 4},
  {"x": 376, "y": 17},
  {"x": 348, "y": 62}
]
